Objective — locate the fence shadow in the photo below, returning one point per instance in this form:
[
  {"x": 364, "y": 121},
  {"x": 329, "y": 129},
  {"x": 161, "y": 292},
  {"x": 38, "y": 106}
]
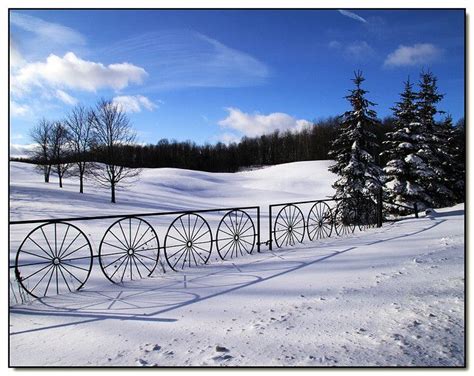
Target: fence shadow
[{"x": 143, "y": 300}]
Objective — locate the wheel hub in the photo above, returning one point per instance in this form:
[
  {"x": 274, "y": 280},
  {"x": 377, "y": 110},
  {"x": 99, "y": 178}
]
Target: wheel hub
[
  {"x": 56, "y": 261},
  {"x": 130, "y": 251},
  {"x": 236, "y": 237},
  {"x": 290, "y": 229},
  {"x": 189, "y": 244}
]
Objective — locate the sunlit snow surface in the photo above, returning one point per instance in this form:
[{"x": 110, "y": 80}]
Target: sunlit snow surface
[{"x": 389, "y": 296}]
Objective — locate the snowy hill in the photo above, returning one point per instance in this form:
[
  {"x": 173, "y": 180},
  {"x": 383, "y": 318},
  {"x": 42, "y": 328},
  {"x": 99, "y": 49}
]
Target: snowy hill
[
  {"x": 166, "y": 189},
  {"x": 385, "y": 297}
]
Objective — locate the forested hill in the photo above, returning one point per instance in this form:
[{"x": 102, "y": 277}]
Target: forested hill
[{"x": 308, "y": 144}]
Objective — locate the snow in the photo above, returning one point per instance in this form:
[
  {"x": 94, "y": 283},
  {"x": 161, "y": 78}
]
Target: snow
[{"x": 384, "y": 297}]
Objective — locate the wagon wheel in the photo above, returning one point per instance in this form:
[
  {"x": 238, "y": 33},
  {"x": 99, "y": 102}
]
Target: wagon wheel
[
  {"x": 289, "y": 226},
  {"x": 129, "y": 250},
  {"x": 345, "y": 218},
  {"x": 54, "y": 258},
  {"x": 235, "y": 234},
  {"x": 319, "y": 221},
  {"x": 367, "y": 215},
  {"x": 188, "y": 242}
]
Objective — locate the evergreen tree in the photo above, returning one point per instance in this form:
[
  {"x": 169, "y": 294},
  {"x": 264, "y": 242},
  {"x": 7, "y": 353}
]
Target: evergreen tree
[
  {"x": 405, "y": 167},
  {"x": 353, "y": 149},
  {"x": 453, "y": 152},
  {"x": 433, "y": 150}
]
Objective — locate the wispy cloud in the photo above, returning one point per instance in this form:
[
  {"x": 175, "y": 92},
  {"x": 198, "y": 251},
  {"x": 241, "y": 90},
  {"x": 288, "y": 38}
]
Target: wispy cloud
[
  {"x": 65, "y": 97},
  {"x": 18, "y": 110},
  {"x": 257, "y": 124},
  {"x": 184, "y": 58},
  {"x": 73, "y": 72},
  {"x": 356, "y": 50},
  {"x": 134, "y": 103},
  {"x": 53, "y": 33},
  {"x": 352, "y": 15},
  {"x": 418, "y": 54}
]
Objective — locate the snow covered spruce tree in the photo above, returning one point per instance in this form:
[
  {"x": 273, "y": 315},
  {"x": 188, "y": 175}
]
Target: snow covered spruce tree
[
  {"x": 355, "y": 146},
  {"x": 434, "y": 151},
  {"x": 406, "y": 167}
]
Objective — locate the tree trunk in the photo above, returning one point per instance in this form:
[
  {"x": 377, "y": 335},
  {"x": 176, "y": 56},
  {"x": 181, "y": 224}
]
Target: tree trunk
[
  {"x": 112, "y": 187},
  {"x": 81, "y": 183},
  {"x": 60, "y": 179},
  {"x": 46, "y": 174}
]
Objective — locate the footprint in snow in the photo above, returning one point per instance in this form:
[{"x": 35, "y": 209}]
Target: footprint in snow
[{"x": 141, "y": 362}]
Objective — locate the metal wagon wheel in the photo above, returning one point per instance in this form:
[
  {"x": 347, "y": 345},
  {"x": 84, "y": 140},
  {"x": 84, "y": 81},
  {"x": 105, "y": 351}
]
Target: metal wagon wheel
[
  {"x": 129, "y": 250},
  {"x": 235, "y": 234},
  {"x": 319, "y": 222},
  {"x": 54, "y": 258},
  {"x": 345, "y": 218},
  {"x": 289, "y": 226},
  {"x": 188, "y": 242}
]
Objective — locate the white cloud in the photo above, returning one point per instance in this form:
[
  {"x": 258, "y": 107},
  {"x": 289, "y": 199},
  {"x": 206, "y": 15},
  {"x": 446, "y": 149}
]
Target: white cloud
[
  {"x": 134, "y": 103},
  {"x": 256, "y": 124},
  {"x": 73, "y": 72},
  {"x": 228, "y": 138},
  {"x": 421, "y": 53},
  {"x": 65, "y": 97},
  {"x": 17, "y": 110},
  {"x": 47, "y": 31},
  {"x": 352, "y": 15}
]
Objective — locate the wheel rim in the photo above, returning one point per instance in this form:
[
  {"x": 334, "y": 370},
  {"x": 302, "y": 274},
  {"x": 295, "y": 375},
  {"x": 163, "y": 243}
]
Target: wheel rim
[
  {"x": 188, "y": 242},
  {"x": 319, "y": 223},
  {"x": 235, "y": 235},
  {"x": 345, "y": 218},
  {"x": 129, "y": 250},
  {"x": 54, "y": 258},
  {"x": 289, "y": 226}
]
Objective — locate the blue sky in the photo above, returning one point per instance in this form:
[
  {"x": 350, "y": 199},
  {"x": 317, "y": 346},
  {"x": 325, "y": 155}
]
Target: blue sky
[{"x": 211, "y": 76}]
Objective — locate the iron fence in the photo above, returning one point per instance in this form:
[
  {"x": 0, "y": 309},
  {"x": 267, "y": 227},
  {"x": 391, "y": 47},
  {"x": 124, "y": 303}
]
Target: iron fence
[
  {"x": 324, "y": 217},
  {"x": 56, "y": 256}
]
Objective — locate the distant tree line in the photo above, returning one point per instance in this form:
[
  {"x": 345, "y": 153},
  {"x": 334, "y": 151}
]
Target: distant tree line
[{"x": 312, "y": 143}]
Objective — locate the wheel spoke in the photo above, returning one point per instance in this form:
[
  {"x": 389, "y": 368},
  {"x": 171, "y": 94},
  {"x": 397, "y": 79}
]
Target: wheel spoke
[
  {"x": 45, "y": 274},
  {"x": 124, "y": 236}
]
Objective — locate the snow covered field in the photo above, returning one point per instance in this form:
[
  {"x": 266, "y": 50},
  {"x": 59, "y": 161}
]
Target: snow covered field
[{"x": 389, "y": 296}]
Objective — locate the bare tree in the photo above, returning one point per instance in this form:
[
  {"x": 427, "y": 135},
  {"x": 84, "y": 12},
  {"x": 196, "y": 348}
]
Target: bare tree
[
  {"x": 41, "y": 134},
  {"x": 59, "y": 150},
  {"x": 79, "y": 123},
  {"x": 112, "y": 130}
]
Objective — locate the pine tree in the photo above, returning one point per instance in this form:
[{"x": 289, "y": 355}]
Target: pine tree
[
  {"x": 353, "y": 150},
  {"x": 433, "y": 150},
  {"x": 406, "y": 167},
  {"x": 453, "y": 153}
]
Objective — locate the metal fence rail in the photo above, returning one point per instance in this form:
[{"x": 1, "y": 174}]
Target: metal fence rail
[
  {"x": 324, "y": 217},
  {"x": 57, "y": 256}
]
